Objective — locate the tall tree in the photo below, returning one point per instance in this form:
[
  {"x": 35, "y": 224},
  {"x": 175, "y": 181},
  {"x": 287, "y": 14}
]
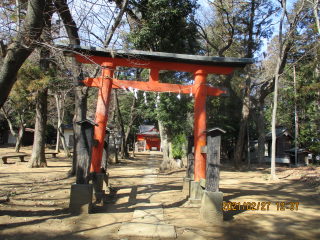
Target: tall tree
[
  {"x": 237, "y": 29},
  {"x": 275, "y": 101},
  {"x": 81, "y": 93},
  {"x": 163, "y": 26},
  {"x": 19, "y": 47},
  {"x": 38, "y": 158}
]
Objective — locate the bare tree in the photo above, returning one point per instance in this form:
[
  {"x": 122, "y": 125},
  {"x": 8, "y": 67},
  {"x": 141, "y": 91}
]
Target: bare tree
[
  {"x": 85, "y": 28},
  {"x": 296, "y": 18},
  {"x": 60, "y": 98},
  {"x": 20, "y": 133}
]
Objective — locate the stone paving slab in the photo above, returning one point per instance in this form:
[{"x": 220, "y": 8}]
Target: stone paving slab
[
  {"x": 133, "y": 229},
  {"x": 147, "y": 219},
  {"x": 148, "y": 213}
]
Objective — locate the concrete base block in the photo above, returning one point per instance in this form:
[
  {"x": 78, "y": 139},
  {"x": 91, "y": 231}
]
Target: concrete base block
[
  {"x": 81, "y": 198},
  {"x": 195, "y": 190},
  {"x": 211, "y": 207},
  {"x": 186, "y": 186},
  {"x": 97, "y": 182}
]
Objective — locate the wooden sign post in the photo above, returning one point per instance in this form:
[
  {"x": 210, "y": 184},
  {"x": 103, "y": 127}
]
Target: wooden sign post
[
  {"x": 213, "y": 159},
  {"x": 212, "y": 200}
]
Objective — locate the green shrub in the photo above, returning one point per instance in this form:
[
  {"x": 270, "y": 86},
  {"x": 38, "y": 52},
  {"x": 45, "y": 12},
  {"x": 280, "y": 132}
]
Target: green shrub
[{"x": 178, "y": 146}]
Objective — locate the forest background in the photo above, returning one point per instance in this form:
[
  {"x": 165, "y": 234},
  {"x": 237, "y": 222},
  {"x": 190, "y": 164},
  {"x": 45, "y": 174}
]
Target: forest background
[{"x": 37, "y": 81}]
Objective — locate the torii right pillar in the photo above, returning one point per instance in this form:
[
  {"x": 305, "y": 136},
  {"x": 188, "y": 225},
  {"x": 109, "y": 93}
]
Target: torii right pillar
[{"x": 200, "y": 123}]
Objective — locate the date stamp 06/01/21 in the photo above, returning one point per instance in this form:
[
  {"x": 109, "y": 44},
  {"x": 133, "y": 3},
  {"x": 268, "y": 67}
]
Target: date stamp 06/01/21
[{"x": 262, "y": 206}]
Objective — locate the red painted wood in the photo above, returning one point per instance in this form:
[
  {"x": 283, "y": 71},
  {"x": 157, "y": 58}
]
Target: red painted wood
[
  {"x": 155, "y": 86},
  {"x": 199, "y": 89},
  {"x": 199, "y": 124},
  {"x": 154, "y": 75},
  {"x": 105, "y": 85},
  {"x": 137, "y": 63}
]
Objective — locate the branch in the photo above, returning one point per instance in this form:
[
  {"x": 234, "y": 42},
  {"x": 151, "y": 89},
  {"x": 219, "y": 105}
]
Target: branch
[
  {"x": 68, "y": 21},
  {"x": 116, "y": 23},
  {"x": 10, "y": 123},
  {"x": 22, "y": 47},
  {"x": 3, "y": 48}
]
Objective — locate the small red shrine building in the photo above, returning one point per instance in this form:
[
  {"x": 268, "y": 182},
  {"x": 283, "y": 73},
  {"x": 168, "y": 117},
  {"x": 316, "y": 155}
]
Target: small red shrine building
[{"x": 148, "y": 138}]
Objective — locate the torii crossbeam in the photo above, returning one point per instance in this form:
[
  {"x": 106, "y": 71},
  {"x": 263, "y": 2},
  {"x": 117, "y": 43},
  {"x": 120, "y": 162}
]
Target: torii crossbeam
[{"x": 200, "y": 66}]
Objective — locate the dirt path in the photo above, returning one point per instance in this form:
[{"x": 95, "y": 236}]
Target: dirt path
[{"x": 39, "y": 199}]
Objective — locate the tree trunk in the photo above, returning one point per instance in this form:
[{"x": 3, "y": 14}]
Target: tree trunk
[
  {"x": 315, "y": 13},
  {"x": 124, "y": 152},
  {"x": 243, "y": 123},
  {"x": 258, "y": 118},
  {"x": 248, "y": 144},
  {"x": 59, "y": 129},
  {"x": 168, "y": 162},
  {"x": 81, "y": 93},
  {"x": 261, "y": 139},
  {"x": 246, "y": 100},
  {"x": 38, "y": 150},
  {"x": 19, "y": 139},
  {"x": 169, "y": 144},
  {"x": 38, "y": 158},
  {"x": 58, "y": 139},
  {"x": 18, "y": 136},
  {"x": 132, "y": 118},
  {"x": 164, "y": 144},
  {"x": 18, "y": 51},
  {"x": 275, "y": 99}
]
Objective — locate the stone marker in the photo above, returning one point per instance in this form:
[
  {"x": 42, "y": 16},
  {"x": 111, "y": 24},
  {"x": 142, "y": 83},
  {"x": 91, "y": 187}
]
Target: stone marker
[
  {"x": 211, "y": 207},
  {"x": 81, "y": 198}
]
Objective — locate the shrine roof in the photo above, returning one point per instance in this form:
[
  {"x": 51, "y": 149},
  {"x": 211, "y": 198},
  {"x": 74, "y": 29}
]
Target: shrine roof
[
  {"x": 237, "y": 63},
  {"x": 280, "y": 131},
  {"x": 149, "y": 134}
]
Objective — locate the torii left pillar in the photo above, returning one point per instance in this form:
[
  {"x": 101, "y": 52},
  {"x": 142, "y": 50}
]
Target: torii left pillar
[
  {"x": 200, "y": 124},
  {"x": 199, "y": 132},
  {"x": 101, "y": 118}
]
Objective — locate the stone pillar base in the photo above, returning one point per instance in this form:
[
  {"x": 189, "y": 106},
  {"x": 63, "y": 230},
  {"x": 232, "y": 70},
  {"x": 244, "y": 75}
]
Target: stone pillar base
[
  {"x": 97, "y": 182},
  {"x": 81, "y": 198},
  {"x": 192, "y": 176},
  {"x": 211, "y": 207},
  {"x": 195, "y": 191},
  {"x": 186, "y": 186}
]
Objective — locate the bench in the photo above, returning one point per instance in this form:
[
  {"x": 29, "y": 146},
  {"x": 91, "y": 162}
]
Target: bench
[
  {"x": 5, "y": 156},
  {"x": 52, "y": 153}
]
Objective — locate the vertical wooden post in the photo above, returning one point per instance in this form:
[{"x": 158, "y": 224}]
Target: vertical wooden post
[
  {"x": 102, "y": 114},
  {"x": 199, "y": 124},
  {"x": 154, "y": 75},
  {"x": 213, "y": 159},
  {"x": 190, "y": 166},
  {"x": 104, "y": 159},
  {"x": 85, "y": 148},
  {"x": 213, "y": 164}
]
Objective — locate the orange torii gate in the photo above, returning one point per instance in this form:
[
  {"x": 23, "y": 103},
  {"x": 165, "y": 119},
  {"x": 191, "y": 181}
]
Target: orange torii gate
[{"x": 200, "y": 66}]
